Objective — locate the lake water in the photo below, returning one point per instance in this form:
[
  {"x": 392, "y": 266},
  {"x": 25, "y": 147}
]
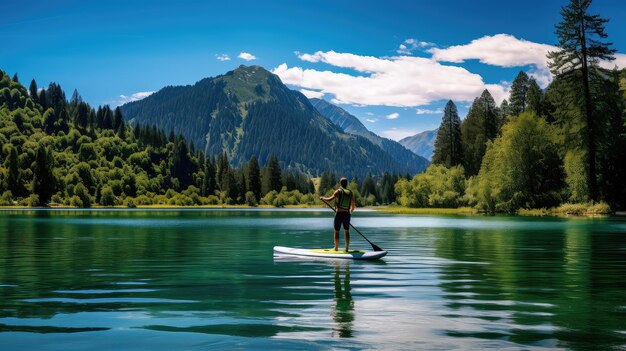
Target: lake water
[{"x": 207, "y": 280}]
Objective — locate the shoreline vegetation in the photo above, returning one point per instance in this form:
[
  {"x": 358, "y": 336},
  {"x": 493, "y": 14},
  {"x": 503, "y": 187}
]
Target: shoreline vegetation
[
  {"x": 552, "y": 151},
  {"x": 564, "y": 210}
]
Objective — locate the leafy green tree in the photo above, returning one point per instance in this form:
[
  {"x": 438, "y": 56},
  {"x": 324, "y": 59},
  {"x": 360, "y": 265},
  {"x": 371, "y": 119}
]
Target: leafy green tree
[
  {"x": 521, "y": 168},
  {"x": 438, "y": 186},
  {"x": 480, "y": 126},
  {"x": 581, "y": 46},
  {"x": 448, "y": 143},
  {"x": 519, "y": 89},
  {"x": 43, "y": 178},
  {"x": 107, "y": 198},
  {"x": 82, "y": 194}
]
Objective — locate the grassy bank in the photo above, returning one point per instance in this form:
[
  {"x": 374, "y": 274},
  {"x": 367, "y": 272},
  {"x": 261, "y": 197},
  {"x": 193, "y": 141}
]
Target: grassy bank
[
  {"x": 569, "y": 209},
  {"x": 427, "y": 210},
  {"x": 598, "y": 209}
]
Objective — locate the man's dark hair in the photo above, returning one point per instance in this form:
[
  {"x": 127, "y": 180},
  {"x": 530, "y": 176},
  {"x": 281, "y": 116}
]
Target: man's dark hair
[{"x": 344, "y": 182}]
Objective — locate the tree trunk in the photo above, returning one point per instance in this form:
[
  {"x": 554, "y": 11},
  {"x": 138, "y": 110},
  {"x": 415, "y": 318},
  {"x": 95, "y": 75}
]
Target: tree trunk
[{"x": 591, "y": 143}]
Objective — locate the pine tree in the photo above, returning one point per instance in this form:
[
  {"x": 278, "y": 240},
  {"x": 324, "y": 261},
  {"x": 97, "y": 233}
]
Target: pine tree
[
  {"x": 181, "y": 166},
  {"x": 369, "y": 187},
  {"x": 519, "y": 88},
  {"x": 448, "y": 143},
  {"x": 581, "y": 47},
  {"x": 32, "y": 90},
  {"x": 43, "y": 101},
  {"x": 223, "y": 168},
  {"x": 209, "y": 184},
  {"x": 16, "y": 78},
  {"x": 272, "y": 178},
  {"x": 14, "y": 173},
  {"x": 327, "y": 182},
  {"x": 505, "y": 109},
  {"x": 76, "y": 98},
  {"x": 534, "y": 98},
  {"x": 81, "y": 115},
  {"x": 43, "y": 179},
  {"x": 107, "y": 117},
  {"x": 118, "y": 120},
  {"x": 253, "y": 177},
  {"x": 480, "y": 126}
]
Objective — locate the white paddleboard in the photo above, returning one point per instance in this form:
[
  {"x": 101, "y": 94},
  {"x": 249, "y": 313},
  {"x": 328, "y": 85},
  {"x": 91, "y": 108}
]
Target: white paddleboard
[{"x": 329, "y": 253}]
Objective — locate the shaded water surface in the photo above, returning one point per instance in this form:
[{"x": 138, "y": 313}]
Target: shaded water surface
[{"x": 187, "y": 280}]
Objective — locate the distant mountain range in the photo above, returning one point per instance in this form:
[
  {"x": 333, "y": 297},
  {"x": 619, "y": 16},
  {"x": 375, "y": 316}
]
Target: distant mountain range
[
  {"x": 422, "y": 144},
  {"x": 250, "y": 112},
  {"x": 351, "y": 125}
]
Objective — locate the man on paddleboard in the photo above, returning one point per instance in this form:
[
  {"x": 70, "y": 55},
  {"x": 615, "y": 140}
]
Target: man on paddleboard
[{"x": 344, "y": 203}]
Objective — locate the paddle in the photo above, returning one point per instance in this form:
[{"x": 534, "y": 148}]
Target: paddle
[{"x": 374, "y": 246}]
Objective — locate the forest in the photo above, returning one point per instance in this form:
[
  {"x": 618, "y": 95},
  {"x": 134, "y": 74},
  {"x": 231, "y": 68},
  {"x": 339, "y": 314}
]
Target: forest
[
  {"x": 57, "y": 152},
  {"x": 541, "y": 148}
]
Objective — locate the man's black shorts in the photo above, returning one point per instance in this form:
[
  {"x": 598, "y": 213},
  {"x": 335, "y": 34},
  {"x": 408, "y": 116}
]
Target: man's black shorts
[{"x": 342, "y": 217}]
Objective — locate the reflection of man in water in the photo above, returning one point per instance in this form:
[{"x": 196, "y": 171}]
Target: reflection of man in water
[{"x": 343, "y": 311}]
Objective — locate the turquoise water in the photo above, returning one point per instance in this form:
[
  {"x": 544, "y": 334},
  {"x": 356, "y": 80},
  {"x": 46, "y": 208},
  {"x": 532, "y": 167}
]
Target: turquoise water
[{"x": 207, "y": 280}]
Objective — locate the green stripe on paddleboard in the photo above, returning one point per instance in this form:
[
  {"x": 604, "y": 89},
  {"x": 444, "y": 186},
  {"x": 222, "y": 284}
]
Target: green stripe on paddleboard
[{"x": 332, "y": 251}]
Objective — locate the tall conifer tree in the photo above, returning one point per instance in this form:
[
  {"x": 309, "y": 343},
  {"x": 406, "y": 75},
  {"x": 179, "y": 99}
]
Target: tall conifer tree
[
  {"x": 253, "y": 177},
  {"x": 519, "y": 88},
  {"x": 480, "y": 126},
  {"x": 448, "y": 143},
  {"x": 581, "y": 47},
  {"x": 43, "y": 179}
]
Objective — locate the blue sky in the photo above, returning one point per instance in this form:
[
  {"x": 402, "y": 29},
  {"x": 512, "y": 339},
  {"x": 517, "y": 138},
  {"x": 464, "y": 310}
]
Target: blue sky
[{"x": 348, "y": 52}]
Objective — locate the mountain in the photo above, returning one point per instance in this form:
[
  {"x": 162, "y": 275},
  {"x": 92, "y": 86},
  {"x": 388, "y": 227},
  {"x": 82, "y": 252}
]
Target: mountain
[
  {"x": 351, "y": 125},
  {"x": 422, "y": 144},
  {"x": 250, "y": 112}
]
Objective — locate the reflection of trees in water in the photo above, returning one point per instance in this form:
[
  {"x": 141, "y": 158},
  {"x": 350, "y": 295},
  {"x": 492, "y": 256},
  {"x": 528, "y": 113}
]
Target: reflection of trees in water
[
  {"x": 343, "y": 310},
  {"x": 554, "y": 288}
]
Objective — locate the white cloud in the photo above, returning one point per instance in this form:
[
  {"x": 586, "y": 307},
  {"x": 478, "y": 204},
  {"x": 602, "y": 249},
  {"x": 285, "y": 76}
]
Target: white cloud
[
  {"x": 397, "y": 134},
  {"x": 394, "y": 115},
  {"x": 410, "y": 45},
  {"x": 505, "y": 50},
  {"x": 620, "y": 62},
  {"x": 134, "y": 97},
  {"x": 403, "y": 81},
  {"x": 371, "y": 120},
  {"x": 409, "y": 81},
  {"x": 502, "y": 50},
  {"x": 223, "y": 57},
  {"x": 402, "y": 49},
  {"x": 246, "y": 56},
  {"x": 421, "y": 111},
  {"x": 310, "y": 94}
]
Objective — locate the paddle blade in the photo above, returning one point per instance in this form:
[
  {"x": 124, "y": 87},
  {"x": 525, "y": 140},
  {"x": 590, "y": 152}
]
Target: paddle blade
[{"x": 376, "y": 247}]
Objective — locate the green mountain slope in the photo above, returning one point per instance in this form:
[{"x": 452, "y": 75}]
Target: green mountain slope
[
  {"x": 351, "y": 125},
  {"x": 422, "y": 144},
  {"x": 250, "y": 112}
]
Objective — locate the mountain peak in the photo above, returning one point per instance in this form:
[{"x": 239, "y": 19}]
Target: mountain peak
[{"x": 249, "y": 83}]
